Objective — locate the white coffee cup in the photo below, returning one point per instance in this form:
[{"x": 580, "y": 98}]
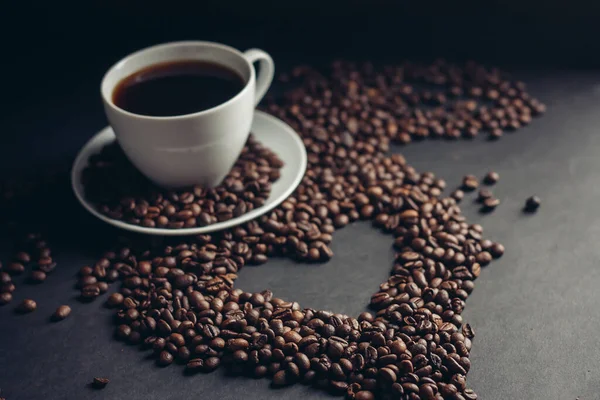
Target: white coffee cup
[{"x": 199, "y": 148}]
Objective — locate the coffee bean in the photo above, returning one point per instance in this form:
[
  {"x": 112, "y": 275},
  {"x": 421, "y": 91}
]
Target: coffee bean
[
  {"x": 490, "y": 204},
  {"x": 491, "y": 178},
  {"x": 26, "y": 306},
  {"x": 90, "y": 292},
  {"x": 211, "y": 363},
  {"x": 497, "y": 250},
  {"x": 15, "y": 268},
  {"x": 5, "y": 298},
  {"x": 165, "y": 359},
  {"x": 532, "y": 204},
  {"x": 5, "y": 278},
  {"x": 61, "y": 313},
  {"x": 37, "y": 277},
  {"x": 483, "y": 195},
  {"x": 458, "y": 195},
  {"x": 100, "y": 383},
  {"x": 280, "y": 378},
  {"x": 23, "y": 257},
  {"x": 8, "y": 287},
  {"x": 114, "y": 300},
  {"x": 469, "y": 183},
  {"x": 364, "y": 395}
]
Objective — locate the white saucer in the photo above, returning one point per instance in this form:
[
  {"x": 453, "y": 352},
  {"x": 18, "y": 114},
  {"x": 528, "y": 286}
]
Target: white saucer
[{"x": 273, "y": 133}]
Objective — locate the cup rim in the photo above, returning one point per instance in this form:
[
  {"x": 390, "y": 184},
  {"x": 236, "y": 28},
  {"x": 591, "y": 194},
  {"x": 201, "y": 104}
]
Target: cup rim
[{"x": 109, "y": 102}]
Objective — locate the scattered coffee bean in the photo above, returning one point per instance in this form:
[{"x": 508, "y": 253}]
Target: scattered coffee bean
[
  {"x": 490, "y": 204},
  {"x": 114, "y": 300},
  {"x": 5, "y": 298},
  {"x": 15, "y": 268},
  {"x": 458, "y": 195},
  {"x": 61, "y": 313},
  {"x": 532, "y": 204},
  {"x": 497, "y": 250},
  {"x": 483, "y": 195},
  {"x": 469, "y": 183},
  {"x": 100, "y": 383},
  {"x": 491, "y": 178},
  {"x": 165, "y": 359},
  {"x": 37, "y": 277},
  {"x": 26, "y": 306}
]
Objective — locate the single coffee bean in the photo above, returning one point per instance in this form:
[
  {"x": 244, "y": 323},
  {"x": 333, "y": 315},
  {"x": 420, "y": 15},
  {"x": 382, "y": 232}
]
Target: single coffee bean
[
  {"x": 491, "y": 178},
  {"x": 5, "y": 298},
  {"x": 100, "y": 383},
  {"x": 61, "y": 313},
  {"x": 15, "y": 268},
  {"x": 26, "y": 306},
  {"x": 483, "y": 195},
  {"x": 469, "y": 183},
  {"x": 458, "y": 195},
  {"x": 114, "y": 300},
  {"x": 532, "y": 204},
  {"x": 165, "y": 359},
  {"x": 23, "y": 257},
  {"x": 37, "y": 277},
  {"x": 497, "y": 250},
  {"x": 364, "y": 395},
  {"x": 8, "y": 287},
  {"x": 211, "y": 363},
  {"x": 90, "y": 292},
  {"x": 490, "y": 204},
  {"x": 280, "y": 378},
  {"x": 5, "y": 278}
]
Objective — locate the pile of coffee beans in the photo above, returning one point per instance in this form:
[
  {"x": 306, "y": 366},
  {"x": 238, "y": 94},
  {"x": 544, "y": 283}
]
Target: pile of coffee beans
[
  {"x": 121, "y": 192},
  {"x": 178, "y": 300}
]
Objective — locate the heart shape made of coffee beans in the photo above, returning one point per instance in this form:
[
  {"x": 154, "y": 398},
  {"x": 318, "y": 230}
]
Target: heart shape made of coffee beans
[{"x": 179, "y": 299}]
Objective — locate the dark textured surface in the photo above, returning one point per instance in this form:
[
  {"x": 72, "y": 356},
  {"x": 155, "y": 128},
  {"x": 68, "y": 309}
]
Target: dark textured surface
[{"x": 535, "y": 311}]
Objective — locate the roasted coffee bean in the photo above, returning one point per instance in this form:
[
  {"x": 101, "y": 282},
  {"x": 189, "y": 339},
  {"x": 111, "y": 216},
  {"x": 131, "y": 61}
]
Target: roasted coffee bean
[
  {"x": 26, "y": 306},
  {"x": 37, "y": 277},
  {"x": 100, "y": 383},
  {"x": 497, "y": 250},
  {"x": 5, "y": 278},
  {"x": 23, "y": 257},
  {"x": 532, "y": 204},
  {"x": 8, "y": 287},
  {"x": 458, "y": 195},
  {"x": 490, "y": 204},
  {"x": 491, "y": 178},
  {"x": 90, "y": 292},
  {"x": 364, "y": 395},
  {"x": 61, "y": 313},
  {"x": 5, "y": 298},
  {"x": 15, "y": 268},
  {"x": 211, "y": 363},
  {"x": 483, "y": 195},
  {"x": 165, "y": 358},
  {"x": 469, "y": 183},
  {"x": 114, "y": 300},
  {"x": 107, "y": 184}
]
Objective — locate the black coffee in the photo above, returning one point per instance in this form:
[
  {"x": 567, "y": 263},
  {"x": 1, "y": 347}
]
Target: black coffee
[{"x": 177, "y": 88}]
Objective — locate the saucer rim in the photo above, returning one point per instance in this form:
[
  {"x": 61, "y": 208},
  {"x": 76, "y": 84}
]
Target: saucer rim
[{"x": 83, "y": 157}]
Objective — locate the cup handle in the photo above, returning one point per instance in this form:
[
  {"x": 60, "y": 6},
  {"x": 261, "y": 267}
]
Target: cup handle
[{"x": 267, "y": 70}]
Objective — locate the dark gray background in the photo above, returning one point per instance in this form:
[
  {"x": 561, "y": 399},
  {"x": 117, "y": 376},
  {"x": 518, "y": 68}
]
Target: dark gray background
[{"x": 534, "y": 311}]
